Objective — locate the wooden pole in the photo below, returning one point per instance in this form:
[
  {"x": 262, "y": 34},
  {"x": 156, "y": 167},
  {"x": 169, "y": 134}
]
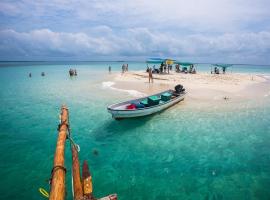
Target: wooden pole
[
  {"x": 77, "y": 185},
  {"x": 88, "y": 187},
  {"x": 87, "y": 182},
  {"x": 58, "y": 172}
]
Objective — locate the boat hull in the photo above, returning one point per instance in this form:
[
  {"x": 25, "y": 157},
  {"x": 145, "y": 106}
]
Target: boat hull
[{"x": 121, "y": 114}]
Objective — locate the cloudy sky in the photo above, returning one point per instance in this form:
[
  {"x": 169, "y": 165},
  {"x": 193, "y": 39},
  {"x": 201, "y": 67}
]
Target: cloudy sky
[{"x": 229, "y": 31}]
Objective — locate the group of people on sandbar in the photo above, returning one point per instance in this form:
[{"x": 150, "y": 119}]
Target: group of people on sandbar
[
  {"x": 163, "y": 68},
  {"x": 124, "y": 68},
  {"x": 72, "y": 72},
  {"x": 216, "y": 70},
  {"x": 185, "y": 70}
]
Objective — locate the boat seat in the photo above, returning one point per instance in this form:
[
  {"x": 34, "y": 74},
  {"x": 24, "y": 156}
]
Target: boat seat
[
  {"x": 144, "y": 102},
  {"x": 139, "y": 105},
  {"x": 153, "y": 100},
  {"x": 166, "y": 96}
]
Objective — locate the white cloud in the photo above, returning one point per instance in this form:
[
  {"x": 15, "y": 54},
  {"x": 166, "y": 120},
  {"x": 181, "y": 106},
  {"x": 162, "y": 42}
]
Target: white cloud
[
  {"x": 137, "y": 42},
  {"x": 194, "y": 15},
  {"x": 226, "y": 30}
]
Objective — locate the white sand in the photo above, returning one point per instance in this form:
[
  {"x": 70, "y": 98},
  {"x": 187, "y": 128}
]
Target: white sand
[{"x": 200, "y": 87}]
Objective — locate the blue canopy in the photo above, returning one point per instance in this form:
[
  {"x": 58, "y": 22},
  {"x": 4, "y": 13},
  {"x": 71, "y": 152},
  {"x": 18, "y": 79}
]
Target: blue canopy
[
  {"x": 184, "y": 63},
  {"x": 223, "y": 65},
  {"x": 155, "y": 60},
  {"x": 160, "y": 60}
]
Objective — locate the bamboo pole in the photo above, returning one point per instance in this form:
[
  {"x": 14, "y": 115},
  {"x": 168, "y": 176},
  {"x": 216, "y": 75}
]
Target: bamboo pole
[
  {"x": 58, "y": 172},
  {"x": 77, "y": 185}
]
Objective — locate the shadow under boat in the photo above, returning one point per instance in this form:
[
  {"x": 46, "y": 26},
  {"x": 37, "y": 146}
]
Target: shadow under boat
[
  {"x": 118, "y": 127},
  {"x": 111, "y": 128}
]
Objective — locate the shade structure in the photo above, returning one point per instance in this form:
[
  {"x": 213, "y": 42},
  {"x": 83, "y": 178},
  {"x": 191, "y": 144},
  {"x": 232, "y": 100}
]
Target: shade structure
[
  {"x": 223, "y": 65},
  {"x": 184, "y": 63},
  {"x": 155, "y": 61},
  {"x": 169, "y": 61}
]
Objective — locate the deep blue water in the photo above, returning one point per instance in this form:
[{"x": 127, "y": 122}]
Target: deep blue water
[{"x": 183, "y": 153}]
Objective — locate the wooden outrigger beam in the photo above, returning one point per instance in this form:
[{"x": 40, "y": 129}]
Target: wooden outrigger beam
[
  {"x": 82, "y": 189},
  {"x": 77, "y": 185},
  {"x": 87, "y": 182},
  {"x": 88, "y": 186},
  {"x": 58, "y": 173}
]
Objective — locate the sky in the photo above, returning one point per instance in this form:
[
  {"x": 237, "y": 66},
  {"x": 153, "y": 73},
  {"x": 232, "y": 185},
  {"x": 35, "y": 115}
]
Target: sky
[{"x": 224, "y": 31}]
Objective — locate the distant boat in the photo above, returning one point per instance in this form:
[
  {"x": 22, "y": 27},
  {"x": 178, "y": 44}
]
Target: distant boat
[{"x": 147, "y": 105}]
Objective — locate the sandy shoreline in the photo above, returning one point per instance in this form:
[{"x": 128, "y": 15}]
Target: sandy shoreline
[{"x": 201, "y": 87}]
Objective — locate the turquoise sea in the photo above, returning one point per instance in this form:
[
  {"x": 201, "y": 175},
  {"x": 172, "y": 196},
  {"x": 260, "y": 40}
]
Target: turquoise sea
[{"x": 186, "y": 152}]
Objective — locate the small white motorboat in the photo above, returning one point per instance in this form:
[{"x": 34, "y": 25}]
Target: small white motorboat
[{"x": 147, "y": 105}]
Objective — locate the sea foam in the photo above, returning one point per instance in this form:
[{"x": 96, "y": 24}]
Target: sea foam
[{"x": 109, "y": 85}]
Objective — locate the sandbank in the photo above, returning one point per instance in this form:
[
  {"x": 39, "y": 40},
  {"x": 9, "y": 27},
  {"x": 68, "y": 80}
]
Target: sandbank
[{"x": 200, "y": 87}]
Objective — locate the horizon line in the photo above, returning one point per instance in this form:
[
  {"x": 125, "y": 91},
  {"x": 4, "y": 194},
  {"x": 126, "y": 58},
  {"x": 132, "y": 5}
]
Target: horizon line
[{"x": 249, "y": 64}]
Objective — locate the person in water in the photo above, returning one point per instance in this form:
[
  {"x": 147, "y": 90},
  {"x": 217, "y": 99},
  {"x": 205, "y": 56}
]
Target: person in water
[
  {"x": 150, "y": 75},
  {"x": 30, "y": 75},
  {"x": 71, "y": 72},
  {"x": 110, "y": 69}
]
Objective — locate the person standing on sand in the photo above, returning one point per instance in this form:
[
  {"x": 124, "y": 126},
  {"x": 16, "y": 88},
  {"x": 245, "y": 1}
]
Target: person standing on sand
[
  {"x": 150, "y": 75},
  {"x": 123, "y": 68},
  {"x": 164, "y": 68},
  {"x": 224, "y": 70},
  {"x": 110, "y": 69}
]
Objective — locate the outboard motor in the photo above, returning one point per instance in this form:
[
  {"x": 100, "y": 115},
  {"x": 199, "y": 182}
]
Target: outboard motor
[{"x": 179, "y": 88}]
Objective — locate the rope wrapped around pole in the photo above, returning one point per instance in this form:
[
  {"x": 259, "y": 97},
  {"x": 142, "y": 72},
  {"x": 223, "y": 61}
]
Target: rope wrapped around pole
[{"x": 58, "y": 188}]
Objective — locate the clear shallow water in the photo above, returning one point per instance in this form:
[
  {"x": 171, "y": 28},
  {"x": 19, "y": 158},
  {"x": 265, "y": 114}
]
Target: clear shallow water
[
  {"x": 116, "y": 66},
  {"x": 182, "y": 153}
]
